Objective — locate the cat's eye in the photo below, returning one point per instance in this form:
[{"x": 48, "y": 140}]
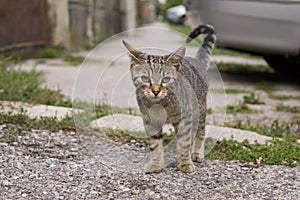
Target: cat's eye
[
  {"x": 145, "y": 79},
  {"x": 166, "y": 80}
]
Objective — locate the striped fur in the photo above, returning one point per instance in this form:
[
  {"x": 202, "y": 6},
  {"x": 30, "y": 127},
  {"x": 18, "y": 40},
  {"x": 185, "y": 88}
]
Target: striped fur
[{"x": 173, "y": 89}]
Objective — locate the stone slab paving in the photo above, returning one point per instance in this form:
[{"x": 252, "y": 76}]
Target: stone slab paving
[
  {"x": 135, "y": 124},
  {"x": 36, "y": 110}
]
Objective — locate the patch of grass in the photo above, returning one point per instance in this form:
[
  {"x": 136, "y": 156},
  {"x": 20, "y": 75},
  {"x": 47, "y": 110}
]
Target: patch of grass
[
  {"x": 285, "y": 108},
  {"x": 283, "y": 97},
  {"x": 285, "y": 151},
  {"x": 74, "y": 60},
  {"x": 275, "y": 152},
  {"x": 17, "y": 85},
  {"x": 25, "y": 86},
  {"x": 234, "y": 91},
  {"x": 229, "y": 91},
  {"x": 102, "y": 110},
  {"x": 221, "y": 51},
  {"x": 49, "y": 53},
  {"x": 7, "y": 59},
  {"x": 16, "y": 124},
  {"x": 209, "y": 111},
  {"x": 252, "y": 99},
  {"x": 276, "y": 129},
  {"x": 186, "y": 30},
  {"x": 265, "y": 86},
  {"x": 241, "y": 108},
  {"x": 42, "y": 123},
  {"x": 124, "y": 137},
  {"x": 235, "y": 68},
  {"x": 40, "y": 55}
]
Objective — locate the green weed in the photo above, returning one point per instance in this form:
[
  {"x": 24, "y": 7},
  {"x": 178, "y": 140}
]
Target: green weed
[
  {"x": 17, "y": 85},
  {"x": 283, "y": 97},
  {"x": 265, "y": 86},
  {"x": 241, "y": 108},
  {"x": 234, "y": 91},
  {"x": 74, "y": 60},
  {"x": 16, "y": 124},
  {"x": 285, "y": 108},
  {"x": 124, "y": 137},
  {"x": 42, "y": 123},
  {"x": 234, "y": 68},
  {"x": 276, "y": 129},
  {"x": 275, "y": 152},
  {"x": 252, "y": 99},
  {"x": 228, "y": 91},
  {"x": 49, "y": 53}
]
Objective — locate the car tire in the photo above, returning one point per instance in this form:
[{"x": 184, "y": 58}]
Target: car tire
[
  {"x": 284, "y": 64},
  {"x": 182, "y": 20}
]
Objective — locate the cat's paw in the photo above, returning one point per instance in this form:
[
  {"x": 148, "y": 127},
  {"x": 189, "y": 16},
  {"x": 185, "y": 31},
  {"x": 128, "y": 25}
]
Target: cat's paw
[
  {"x": 153, "y": 168},
  {"x": 186, "y": 167},
  {"x": 197, "y": 157}
]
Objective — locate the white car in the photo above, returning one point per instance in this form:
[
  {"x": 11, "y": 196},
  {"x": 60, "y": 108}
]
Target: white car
[
  {"x": 176, "y": 14},
  {"x": 270, "y": 28}
]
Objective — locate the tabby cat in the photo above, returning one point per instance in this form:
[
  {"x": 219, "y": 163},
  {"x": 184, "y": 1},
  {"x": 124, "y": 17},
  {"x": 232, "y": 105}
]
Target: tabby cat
[{"x": 173, "y": 89}]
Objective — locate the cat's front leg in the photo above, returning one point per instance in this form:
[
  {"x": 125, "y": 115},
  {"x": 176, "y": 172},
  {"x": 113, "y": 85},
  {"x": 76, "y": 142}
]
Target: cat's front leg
[
  {"x": 198, "y": 146},
  {"x": 184, "y": 134},
  {"x": 199, "y": 138},
  {"x": 155, "y": 163}
]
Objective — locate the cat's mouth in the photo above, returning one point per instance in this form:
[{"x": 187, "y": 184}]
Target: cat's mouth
[
  {"x": 155, "y": 92},
  {"x": 155, "y": 96}
]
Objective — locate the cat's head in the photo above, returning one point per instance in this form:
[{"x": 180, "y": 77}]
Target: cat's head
[{"x": 154, "y": 75}]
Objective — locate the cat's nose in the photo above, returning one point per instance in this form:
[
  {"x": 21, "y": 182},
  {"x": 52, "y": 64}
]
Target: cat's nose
[{"x": 155, "y": 92}]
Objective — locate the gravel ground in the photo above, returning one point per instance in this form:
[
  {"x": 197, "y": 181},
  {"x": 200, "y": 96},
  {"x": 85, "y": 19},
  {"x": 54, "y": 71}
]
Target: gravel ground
[{"x": 43, "y": 165}]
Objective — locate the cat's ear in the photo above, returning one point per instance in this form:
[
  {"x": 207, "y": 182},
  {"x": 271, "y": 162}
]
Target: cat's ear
[
  {"x": 136, "y": 56},
  {"x": 175, "y": 59}
]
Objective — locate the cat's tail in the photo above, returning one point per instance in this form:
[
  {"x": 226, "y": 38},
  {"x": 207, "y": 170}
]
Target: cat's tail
[{"x": 210, "y": 38}]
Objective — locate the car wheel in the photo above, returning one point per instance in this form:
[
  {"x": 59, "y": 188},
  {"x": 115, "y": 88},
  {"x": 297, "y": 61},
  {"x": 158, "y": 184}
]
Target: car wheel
[
  {"x": 284, "y": 64},
  {"x": 182, "y": 20}
]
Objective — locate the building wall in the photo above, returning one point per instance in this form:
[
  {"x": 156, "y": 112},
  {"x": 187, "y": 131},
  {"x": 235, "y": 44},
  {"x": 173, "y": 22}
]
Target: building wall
[
  {"x": 59, "y": 25},
  {"x": 77, "y": 23},
  {"x": 129, "y": 10}
]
